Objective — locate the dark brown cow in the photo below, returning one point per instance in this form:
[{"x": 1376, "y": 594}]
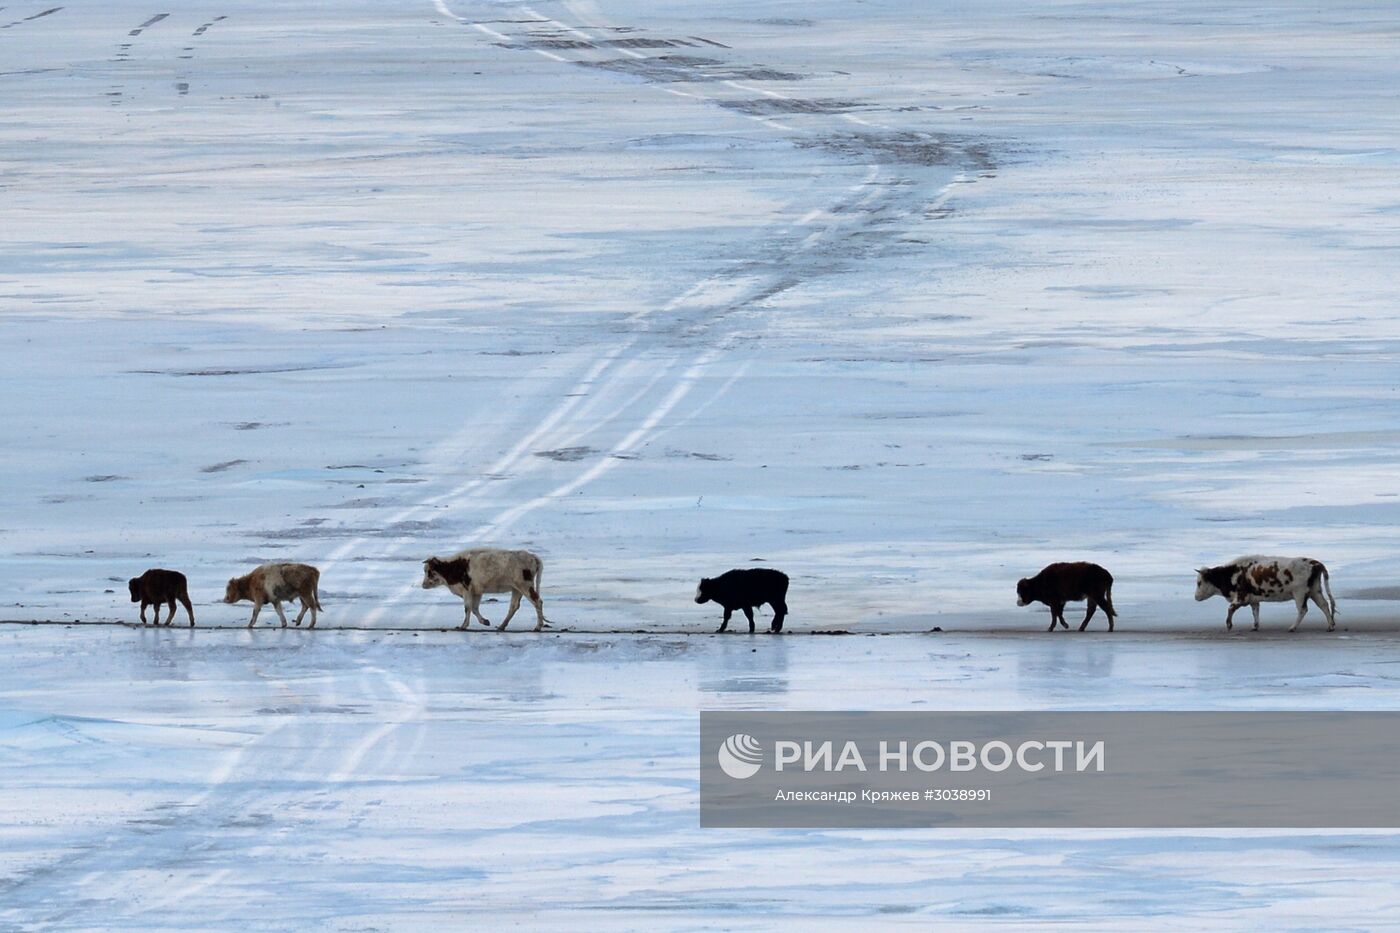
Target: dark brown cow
[
  {"x": 157, "y": 587},
  {"x": 1064, "y": 583}
]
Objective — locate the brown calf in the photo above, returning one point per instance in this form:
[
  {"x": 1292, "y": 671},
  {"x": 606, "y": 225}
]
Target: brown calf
[
  {"x": 157, "y": 587},
  {"x": 273, "y": 583}
]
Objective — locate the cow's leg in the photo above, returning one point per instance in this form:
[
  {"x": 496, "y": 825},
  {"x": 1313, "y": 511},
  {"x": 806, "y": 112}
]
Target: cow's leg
[
  {"x": 514, "y": 605},
  {"x": 313, "y": 603},
  {"x": 476, "y": 607},
  {"x": 779, "y": 613},
  {"x": 1230, "y": 616},
  {"x": 1088, "y": 615},
  {"x": 467, "y": 609},
  {"x": 534, "y": 596},
  {"x": 725, "y": 624},
  {"x": 1326, "y": 610},
  {"x": 155, "y": 607},
  {"x": 1302, "y": 611},
  {"x": 189, "y": 610},
  {"x": 748, "y": 614},
  {"x": 1254, "y": 607},
  {"x": 304, "y": 606},
  {"x": 143, "y": 612},
  {"x": 277, "y": 604},
  {"x": 170, "y": 616},
  {"x": 257, "y": 607}
]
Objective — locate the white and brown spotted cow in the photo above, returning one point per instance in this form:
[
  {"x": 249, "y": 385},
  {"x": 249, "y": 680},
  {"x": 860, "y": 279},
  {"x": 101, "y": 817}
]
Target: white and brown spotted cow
[
  {"x": 475, "y": 571},
  {"x": 1249, "y": 581}
]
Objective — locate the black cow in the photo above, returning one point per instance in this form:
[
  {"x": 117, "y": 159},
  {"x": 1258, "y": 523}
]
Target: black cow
[
  {"x": 745, "y": 589},
  {"x": 157, "y": 587},
  {"x": 1058, "y": 584}
]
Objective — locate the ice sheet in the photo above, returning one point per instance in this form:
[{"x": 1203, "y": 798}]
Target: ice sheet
[{"x": 904, "y": 301}]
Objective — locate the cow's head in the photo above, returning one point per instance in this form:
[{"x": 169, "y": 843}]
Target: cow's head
[
  {"x": 702, "y": 592},
  {"x": 1023, "y": 597},
  {"x": 439, "y": 572},
  {"x": 1204, "y": 588},
  {"x": 134, "y": 584},
  {"x": 237, "y": 589},
  {"x": 432, "y": 573}
]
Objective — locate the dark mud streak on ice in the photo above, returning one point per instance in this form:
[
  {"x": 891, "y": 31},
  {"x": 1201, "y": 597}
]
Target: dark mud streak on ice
[
  {"x": 30, "y": 19},
  {"x": 872, "y": 222}
]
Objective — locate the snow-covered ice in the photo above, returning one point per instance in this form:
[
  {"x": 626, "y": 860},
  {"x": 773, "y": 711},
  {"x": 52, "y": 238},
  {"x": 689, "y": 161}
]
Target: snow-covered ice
[
  {"x": 179, "y": 779},
  {"x": 906, "y": 301}
]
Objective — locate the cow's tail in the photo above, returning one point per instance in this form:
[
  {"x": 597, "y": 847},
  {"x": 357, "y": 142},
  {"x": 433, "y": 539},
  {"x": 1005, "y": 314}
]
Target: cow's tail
[
  {"x": 1327, "y": 588},
  {"x": 533, "y": 576},
  {"x": 1108, "y": 600}
]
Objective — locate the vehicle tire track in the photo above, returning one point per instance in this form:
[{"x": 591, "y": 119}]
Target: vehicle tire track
[
  {"x": 182, "y": 82},
  {"x": 29, "y": 19},
  {"x": 798, "y": 251},
  {"x": 188, "y": 839}
]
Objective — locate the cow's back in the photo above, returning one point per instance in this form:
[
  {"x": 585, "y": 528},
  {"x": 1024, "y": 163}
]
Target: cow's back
[
  {"x": 756, "y": 580},
  {"x": 1078, "y": 574},
  {"x": 285, "y": 580},
  {"x": 163, "y": 584},
  {"x": 1273, "y": 578},
  {"x": 497, "y": 570}
]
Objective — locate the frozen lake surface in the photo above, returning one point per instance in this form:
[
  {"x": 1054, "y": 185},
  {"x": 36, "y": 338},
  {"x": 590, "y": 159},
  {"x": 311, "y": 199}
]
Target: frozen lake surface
[
  {"x": 906, "y": 302},
  {"x": 179, "y": 779},
  {"x": 883, "y": 299}
]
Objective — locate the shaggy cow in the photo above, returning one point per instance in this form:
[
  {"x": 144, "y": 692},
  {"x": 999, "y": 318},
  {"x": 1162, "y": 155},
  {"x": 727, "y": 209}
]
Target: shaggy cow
[
  {"x": 475, "y": 571},
  {"x": 273, "y": 583},
  {"x": 1249, "y": 581},
  {"x": 744, "y": 590},
  {"x": 157, "y": 587},
  {"x": 1058, "y": 584}
]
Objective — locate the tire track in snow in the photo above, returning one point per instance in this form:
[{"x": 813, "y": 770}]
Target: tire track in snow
[
  {"x": 589, "y": 393},
  {"x": 180, "y": 838}
]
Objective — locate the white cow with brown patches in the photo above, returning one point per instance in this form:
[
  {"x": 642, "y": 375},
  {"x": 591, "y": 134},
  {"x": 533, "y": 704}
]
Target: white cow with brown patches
[
  {"x": 476, "y": 571},
  {"x": 1251, "y": 580}
]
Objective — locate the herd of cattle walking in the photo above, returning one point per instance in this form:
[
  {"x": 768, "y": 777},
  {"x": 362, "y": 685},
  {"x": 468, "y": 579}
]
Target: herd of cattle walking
[{"x": 470, "y": 574}]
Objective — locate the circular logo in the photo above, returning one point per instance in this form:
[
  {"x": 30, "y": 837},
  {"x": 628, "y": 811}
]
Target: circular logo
[{"x": 740, "y": 756}]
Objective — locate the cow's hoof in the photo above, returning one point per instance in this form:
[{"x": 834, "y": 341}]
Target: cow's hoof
[
  {"x": 1331, "y": 628},
  {"x": 464, "y": 627},
  {"x": 486, "y": 623}
]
